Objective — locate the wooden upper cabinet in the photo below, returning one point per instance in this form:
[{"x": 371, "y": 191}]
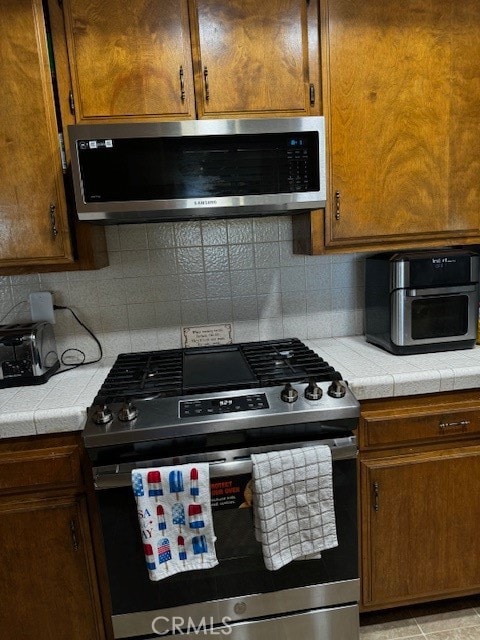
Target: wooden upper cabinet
[
  {"x": 401, "y": 100},
  {"x": 33, "y": 219},
  {"x": 130, "y": 60},
  {"x": 253, "y": 58},
  {"x": 137, "y": 61}
]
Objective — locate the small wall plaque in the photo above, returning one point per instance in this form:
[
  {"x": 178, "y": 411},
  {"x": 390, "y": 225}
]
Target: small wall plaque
[{"x": 207, "y": 335}]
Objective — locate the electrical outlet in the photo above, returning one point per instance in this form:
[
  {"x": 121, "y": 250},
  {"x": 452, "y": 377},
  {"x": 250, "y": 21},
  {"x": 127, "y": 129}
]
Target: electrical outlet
[{"x": 41, "y": 306}]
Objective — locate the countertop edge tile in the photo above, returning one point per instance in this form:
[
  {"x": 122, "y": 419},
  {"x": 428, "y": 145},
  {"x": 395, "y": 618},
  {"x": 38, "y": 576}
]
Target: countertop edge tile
[{"x": 59, "y": 420}]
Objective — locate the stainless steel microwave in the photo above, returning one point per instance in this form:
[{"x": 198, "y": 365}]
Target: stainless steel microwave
[
  {"x": 418, "y": 302},
  {"x": 197, "y": 168}
]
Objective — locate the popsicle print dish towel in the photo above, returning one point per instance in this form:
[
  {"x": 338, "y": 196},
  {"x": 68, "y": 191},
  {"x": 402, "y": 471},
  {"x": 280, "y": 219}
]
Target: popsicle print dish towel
[
  {"x": 293, "y": 506},
  {"x": 175, "y": 517}
]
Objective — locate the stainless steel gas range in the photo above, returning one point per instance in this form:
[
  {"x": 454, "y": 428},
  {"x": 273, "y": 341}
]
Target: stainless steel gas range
[{"x": 219, "y": 405}]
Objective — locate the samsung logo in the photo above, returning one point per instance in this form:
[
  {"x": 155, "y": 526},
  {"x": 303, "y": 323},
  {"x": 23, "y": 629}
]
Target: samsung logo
[
  {"x": 442, "y": 260},
  {"x": 202, "y": 203}
]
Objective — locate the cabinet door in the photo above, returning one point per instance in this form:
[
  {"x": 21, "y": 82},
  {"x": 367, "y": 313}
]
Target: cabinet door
[
  {"x": 404, "y": 124},
  {"x": 47, "y": 588},
  {"x": 420, "y": 516},
  {"x": 130, "y": 60},
  {"x": 252, "y": 58},
  {"x": 33, "y": 221}
]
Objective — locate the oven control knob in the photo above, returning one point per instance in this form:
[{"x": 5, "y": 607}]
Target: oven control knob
[
  {"x": 337, "y": 389},
  {"x": 102, "y": 415},
  {"x": 127, "y": 412},
  {"x": 313, "y": 391},
  {"x": 289, "y": 394}
]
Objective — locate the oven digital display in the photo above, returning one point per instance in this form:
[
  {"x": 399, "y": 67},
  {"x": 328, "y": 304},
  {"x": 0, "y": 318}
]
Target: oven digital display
[{"x": 215, "y": 406}]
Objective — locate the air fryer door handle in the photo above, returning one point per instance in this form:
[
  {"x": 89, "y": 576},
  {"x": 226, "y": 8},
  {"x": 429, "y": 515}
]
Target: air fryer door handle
[{"x": 433, "y": 292}]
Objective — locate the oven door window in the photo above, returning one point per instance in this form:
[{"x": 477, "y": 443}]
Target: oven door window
[
  {"x": 241, "y": 570},
  {"x": 439, "y": 317}
]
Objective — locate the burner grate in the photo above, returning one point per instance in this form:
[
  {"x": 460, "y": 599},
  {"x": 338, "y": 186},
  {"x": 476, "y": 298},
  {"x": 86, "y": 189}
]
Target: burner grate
[
  {"x": 143, "y": 375},
  {"x": 157, "y": 374},
  {"x": 278, "y": 362}
]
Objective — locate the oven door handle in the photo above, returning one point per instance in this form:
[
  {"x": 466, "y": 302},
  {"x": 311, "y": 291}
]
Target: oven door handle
[{"x": 121, "y": 475}]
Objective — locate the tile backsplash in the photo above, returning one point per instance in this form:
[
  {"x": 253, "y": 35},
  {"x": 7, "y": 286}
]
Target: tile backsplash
[{"x": 163, "y": 276}]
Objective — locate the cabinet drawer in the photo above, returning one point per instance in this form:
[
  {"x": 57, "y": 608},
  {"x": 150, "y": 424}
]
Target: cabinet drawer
[
  {"x": 39, "y": 469},
  {"x": 379, "y": 431}
]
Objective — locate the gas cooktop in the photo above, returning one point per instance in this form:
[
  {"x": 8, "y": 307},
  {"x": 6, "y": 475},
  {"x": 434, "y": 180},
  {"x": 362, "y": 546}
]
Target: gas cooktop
[
  {"x": 185, "y": 392},
  {"x": 177, "y": 372}
]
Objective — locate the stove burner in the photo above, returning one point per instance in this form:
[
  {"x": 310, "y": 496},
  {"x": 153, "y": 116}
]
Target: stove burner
[{"x": 282, "y": 357}]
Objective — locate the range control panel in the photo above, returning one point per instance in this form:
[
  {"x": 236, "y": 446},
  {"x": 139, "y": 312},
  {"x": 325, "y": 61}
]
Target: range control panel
[{"x": 215, "y": 406}]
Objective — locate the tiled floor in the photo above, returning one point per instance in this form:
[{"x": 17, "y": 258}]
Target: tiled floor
[{"x": 448, "y": 620}]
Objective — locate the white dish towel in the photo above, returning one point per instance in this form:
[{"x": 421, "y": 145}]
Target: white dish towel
[
  {"x": 175, "y": 517},
  {"x": 293, "y": 506}
]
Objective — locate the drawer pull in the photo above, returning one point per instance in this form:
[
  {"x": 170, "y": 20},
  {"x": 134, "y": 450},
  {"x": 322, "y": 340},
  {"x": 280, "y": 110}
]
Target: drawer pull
[{"x": 444, "y": 426}]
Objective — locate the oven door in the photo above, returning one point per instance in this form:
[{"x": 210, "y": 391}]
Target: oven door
[
  {"x": 431, "y": 316},
  {"x": 239, "y": 597}
]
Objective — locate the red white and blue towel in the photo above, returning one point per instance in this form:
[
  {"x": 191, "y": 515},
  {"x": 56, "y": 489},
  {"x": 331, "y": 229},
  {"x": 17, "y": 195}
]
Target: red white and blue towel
[
  {"x": 175, "y": 517},
  {"x": 293, "y": 505}
]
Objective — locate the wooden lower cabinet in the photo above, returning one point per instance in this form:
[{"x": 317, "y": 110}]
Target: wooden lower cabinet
[
  {"x": 50, "y": 582},
  {"x": 420, "y": 499}
]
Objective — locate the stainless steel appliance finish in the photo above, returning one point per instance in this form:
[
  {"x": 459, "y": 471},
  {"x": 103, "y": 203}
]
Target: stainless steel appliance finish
[
  {"x": 28, "y": 354},
  {"x": 197, "y": 169},
  {"x": 219, "y": 405},
  {"x": 148, "y": 426},
  {"x": 417, "y": 302}
]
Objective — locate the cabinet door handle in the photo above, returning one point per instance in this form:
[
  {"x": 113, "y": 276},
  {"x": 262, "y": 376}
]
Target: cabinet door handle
[
  {"x": 337, "y": 205},
  {"x": 73, "y": 533},
  {"x": 71, "y": 102},
  {"x": 207, "y": 88},
  {"x": 182, "y": 85},
  {"x": 312, "y": 95},
  {"x": 53, "y": 221},
  {"x": 376, "y": 504},
  {"x": 445, "y": 426}
]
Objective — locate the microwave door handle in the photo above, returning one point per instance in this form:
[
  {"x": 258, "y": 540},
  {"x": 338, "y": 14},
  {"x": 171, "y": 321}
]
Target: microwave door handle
[{"x": 444, "y": 291}]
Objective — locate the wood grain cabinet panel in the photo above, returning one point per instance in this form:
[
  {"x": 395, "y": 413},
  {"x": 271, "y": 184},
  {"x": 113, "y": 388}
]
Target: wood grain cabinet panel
[
  {"x": 404, "y": 120},
  {"x": 252, "y": 58},
  {"x": 33, "y": 219},
  {"x": 36, "y": 234},
  {"x": 419, "y": 483},
  {"x": 421, "y": 514},
  {"x": 22, "y": 471},
  {"x": 48, "y": 582},
  {"x": 53, "y": 582},
  {"x": 391, "y": 431},
  {"x": 401, "y": 96},
  {"x": 130, "y": 60},
  {"x": 178, "y": 59}
]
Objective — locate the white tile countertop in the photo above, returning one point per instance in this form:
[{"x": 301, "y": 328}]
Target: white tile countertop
[
  {"x": 58, "y": 405},
  {"x": 374, "y": 373},
  {"x": 61, "y": 403}
]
